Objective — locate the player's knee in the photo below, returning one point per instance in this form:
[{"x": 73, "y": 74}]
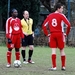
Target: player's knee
[
  {"x": 10, "y": 49},
  {"x": 61, "y": 48},
  {"x": 17, "y": 49},
  {"x": 23, "y": 48},
  {"x": 31, "y": 47}
]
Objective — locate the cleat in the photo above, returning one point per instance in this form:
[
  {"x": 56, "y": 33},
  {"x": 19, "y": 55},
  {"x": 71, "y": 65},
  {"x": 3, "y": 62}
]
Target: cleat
[
  {"x": 52, "y": 69},
  {"x": 25, "y": 62},
  {"x": 30, "y": 61},
  {"x": 8, "y": 65},
  {"x": 63, "y": 68}
]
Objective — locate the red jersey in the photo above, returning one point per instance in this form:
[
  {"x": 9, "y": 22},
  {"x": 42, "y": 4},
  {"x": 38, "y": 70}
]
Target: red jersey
[
  {"x": 13, "y": 26},
  {"x": 54, "y": 22}
]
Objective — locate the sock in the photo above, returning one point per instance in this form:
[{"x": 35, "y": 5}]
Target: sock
[
  {"x": 23, "y": 52},
  {"x": 53, "y": 60},
  {"x": 63, "y": 58},
  {"x": 30, "y": 54},
  {"x": 17, "y": 54},
  {"x": 9, "y": 57}
]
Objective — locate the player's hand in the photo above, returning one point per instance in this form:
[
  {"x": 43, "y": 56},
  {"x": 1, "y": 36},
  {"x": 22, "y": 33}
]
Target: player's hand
[
  {"x": 48, "y": 35},
  {"x": 9, "y": 41},
  {"x": 23, "y": 40},
  {"x": 65, "y": 34},
  {"x": 26, "y": 34},
  {"x": 33, "y": 35}
]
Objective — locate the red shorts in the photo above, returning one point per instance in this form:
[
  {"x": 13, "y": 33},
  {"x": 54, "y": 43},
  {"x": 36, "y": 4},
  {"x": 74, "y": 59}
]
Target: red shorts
[
  {"x": 16, "y": 41},
  {"x": 57, "y": 40}
]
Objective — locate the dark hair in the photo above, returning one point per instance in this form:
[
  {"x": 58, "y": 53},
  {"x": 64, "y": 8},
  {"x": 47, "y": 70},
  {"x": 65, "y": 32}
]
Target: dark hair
[
  {"x": 58, "y": 5},
  {"x": 12, "y": 10}
]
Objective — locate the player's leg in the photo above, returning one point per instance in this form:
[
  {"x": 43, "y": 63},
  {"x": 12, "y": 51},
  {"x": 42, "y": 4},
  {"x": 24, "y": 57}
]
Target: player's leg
[
  {"x": 63, "y": 59},
  {"x": 23, "y": 51},
  {"x": 61, "y": 43},
  {"x": 9, "y": 52},
  {"x": 17, "y": 45},
  {"x": 31, "y": 48},
  {"x": 53, "y": 58},
  {"x": 9, "y": 57},
  {"x": 17, "y": 53},
  {"x": 53, "y": 46}
]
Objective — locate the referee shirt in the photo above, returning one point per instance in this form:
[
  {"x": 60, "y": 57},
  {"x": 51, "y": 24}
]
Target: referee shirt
[{"x": 27, "y": 25}]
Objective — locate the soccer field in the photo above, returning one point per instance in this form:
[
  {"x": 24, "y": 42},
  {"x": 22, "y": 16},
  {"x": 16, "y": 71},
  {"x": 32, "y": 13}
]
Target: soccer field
[{"x": 42, "y": 60}]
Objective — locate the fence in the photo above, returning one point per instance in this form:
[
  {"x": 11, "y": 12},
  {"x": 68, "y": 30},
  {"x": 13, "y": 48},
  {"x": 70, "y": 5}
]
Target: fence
[
  {"x": 42, "y": 40},
  {"x": 2, "y": 38},
  {"x": 71, "y": 37}
]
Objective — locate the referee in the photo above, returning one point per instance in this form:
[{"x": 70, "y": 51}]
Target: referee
[{"x": 27, "y": 28}]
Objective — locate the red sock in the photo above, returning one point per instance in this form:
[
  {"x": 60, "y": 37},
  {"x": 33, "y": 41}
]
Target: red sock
[
  {"x": 17, "y": 55},
  {"x": 9, "y": 57},
  {"x": 53, "y": 60},
  {"x": 63, "y": 60}
]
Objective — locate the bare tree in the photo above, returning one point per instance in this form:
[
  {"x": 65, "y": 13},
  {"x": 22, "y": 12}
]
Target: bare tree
[{"x": 49, "y": 4}]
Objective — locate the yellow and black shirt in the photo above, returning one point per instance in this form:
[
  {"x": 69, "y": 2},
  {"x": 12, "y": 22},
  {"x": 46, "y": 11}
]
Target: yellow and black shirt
[{"x": 27, "y": 25}]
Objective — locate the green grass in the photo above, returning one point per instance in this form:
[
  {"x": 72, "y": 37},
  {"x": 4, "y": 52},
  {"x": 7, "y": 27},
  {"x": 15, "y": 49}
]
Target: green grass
[{"x": 42, "y": 60}]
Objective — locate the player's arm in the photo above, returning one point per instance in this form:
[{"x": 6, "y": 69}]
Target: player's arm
[
  {"x": 23, "y": 29},
  {"x": 67, "y": 23},
  {"x": 22, "y": 35},
  {"x": 32, "y": 28},
  {"x": 8, "y": 30},
  {"x": 44, "y": 26}
]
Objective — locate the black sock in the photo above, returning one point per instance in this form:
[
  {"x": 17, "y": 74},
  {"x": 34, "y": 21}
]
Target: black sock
[
  {"x": 23, "y": 55},
  {"x": 30, "y": 54}
]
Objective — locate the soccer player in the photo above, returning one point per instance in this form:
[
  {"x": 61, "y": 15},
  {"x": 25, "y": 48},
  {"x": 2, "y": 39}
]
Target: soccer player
[
  {"x": 13, "y": 34},
  {"x": 56, "y": 36},
  {"x": 28, "y": 31}
]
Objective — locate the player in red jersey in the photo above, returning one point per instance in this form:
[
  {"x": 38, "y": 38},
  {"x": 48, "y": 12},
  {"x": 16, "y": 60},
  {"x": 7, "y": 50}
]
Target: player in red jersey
[
  {"x": 13, "y": 35},
  {"x": 56, "y": 36}
]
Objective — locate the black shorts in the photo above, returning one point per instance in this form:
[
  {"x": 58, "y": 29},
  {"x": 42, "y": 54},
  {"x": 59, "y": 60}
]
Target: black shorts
[{"x": 28, "y": 40}]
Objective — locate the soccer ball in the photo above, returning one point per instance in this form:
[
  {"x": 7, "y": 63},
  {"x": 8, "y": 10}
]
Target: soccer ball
[{"x": 17, "y": 63}]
